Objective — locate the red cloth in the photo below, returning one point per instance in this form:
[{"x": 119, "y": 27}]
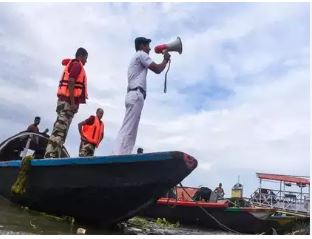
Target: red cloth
[{"x": 74, "y": 69}]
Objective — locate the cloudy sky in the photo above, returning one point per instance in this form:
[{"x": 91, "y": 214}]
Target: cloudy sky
[{"x": 237, "y": 99}]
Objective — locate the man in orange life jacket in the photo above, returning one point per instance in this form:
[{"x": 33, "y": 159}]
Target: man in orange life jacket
[
  {"x": 92, "y": 132},
  {"x": 72, "y": 92}
]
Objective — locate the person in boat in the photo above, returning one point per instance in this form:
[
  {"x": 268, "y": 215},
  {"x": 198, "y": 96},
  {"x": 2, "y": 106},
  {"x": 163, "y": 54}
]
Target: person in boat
[
  {"x": 140, "y": 151},
  {"x": 92, "y": 132},
  {"x": 72, "y": 91},
  {"x": 219, "y": 191},
  {"x": 34, "y": 127},
  {"x": 136, "y": 94}
]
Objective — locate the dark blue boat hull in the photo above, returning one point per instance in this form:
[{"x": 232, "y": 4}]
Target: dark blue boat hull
[{"x": 97, "y": 190}]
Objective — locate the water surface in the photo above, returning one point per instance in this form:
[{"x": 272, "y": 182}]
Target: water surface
[{"x": 17, "y": 220}]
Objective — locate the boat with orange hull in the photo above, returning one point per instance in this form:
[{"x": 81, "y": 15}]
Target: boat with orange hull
[{"x": 212, "y": 214}]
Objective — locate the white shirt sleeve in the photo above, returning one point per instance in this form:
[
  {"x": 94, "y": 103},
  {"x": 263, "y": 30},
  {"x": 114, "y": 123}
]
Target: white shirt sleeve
[{"x": 145, "y": 59}]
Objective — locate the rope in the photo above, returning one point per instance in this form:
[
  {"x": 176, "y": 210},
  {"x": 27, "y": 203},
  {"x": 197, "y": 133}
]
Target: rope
[
  {"x": 207, "y": 213},
  {"x": 165, "y": 84}
]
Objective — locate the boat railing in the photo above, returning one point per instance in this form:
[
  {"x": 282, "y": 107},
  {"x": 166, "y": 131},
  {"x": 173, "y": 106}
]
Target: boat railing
[{"x": 285, "y": 200}]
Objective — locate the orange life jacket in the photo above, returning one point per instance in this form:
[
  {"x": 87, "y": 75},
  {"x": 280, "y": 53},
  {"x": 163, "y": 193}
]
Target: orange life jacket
[
  {"x": 93, "y": 132},
  {"x": 80, "y": 86}
]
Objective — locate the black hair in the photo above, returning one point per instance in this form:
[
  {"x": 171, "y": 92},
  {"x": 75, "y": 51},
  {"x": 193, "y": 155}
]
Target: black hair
[
  {"x": 37, "y": 118},
  {"x": 141, "y": 40},
  {"x": 81, "y": 52},
  {"x": 137, "y": 45}
]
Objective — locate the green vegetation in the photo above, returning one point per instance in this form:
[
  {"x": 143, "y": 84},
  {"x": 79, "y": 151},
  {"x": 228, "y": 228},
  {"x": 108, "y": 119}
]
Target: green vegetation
[
  {"x": 145, "y": 224},
  {"x": 139, "y": 222},
  {"x": 19, "y": 187},
  {"x": 162, "y": 222}
]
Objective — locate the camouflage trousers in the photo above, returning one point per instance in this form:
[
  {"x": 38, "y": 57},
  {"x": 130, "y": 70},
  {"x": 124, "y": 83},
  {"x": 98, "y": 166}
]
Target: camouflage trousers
[
  {"x": 60, "y": 129},
  {"x": 86, "y": 149}
]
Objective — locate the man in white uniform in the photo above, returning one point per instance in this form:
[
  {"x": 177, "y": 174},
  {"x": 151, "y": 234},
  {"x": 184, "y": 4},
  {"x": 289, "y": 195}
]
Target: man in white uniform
[{"x": 136, "y": 94}]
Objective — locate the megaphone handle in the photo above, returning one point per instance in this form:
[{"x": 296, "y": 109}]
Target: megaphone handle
[{"x": 165, "y": 83}]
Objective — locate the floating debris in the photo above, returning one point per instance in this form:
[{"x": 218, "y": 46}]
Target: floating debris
[{"x": 81, "y": 230}]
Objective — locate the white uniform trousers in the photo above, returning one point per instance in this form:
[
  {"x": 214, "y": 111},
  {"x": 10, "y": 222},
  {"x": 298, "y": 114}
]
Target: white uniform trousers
[{"x": 127, "y": 134}]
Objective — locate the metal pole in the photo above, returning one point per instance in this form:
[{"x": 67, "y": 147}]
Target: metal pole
[
  {"x": 260, "y": 190},
  {"x": 284, "y": 197},
  {"x": 280, "y": 192},
  {"x": 23, "y": 155}
]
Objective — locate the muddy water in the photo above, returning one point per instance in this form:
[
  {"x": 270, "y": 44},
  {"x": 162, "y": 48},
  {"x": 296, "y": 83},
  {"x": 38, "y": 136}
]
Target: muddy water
[{"x": 15, "y": 220}]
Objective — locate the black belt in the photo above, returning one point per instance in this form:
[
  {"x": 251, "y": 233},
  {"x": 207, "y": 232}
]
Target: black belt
[{"x": 139, "y": 88}]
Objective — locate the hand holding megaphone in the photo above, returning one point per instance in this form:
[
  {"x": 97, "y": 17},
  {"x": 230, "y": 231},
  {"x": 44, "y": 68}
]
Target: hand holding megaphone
[
  {"x": 166, "y": 55},
  {"x": 164, "y": 49}
]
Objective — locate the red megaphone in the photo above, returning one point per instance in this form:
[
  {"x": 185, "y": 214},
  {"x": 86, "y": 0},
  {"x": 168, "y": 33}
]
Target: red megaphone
[{"x": 173, "y": 46}]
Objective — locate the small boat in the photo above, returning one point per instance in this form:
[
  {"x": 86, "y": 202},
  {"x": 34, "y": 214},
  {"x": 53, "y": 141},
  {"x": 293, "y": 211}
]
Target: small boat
[
  {"x": 211, "y": 214},
  {"x": 100, "y": 190}
]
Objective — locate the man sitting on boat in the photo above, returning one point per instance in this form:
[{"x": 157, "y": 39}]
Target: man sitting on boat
[
  {"x": 219, "y": 191},
  {"x": 34, "y": 127}
]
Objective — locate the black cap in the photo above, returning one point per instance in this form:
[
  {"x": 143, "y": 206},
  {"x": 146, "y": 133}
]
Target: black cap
[{"x": 141, "y": 40}]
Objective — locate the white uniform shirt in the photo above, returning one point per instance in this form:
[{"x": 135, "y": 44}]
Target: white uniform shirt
[{"x": 137, "y": 70}]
